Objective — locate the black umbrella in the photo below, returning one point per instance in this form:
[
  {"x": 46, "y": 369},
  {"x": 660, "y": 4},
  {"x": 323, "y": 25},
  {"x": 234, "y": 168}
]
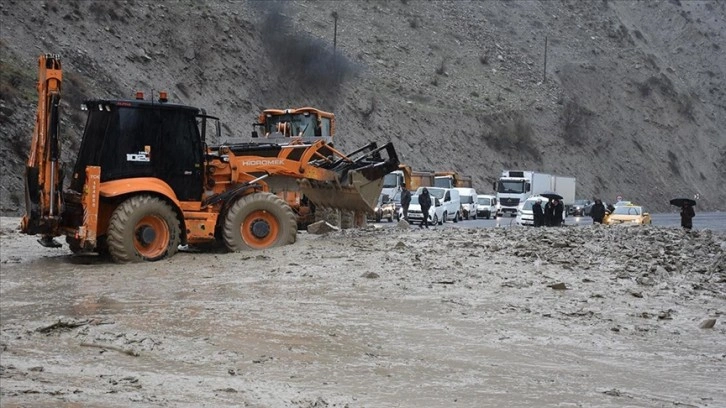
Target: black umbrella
[
  {"x": 551, "y": 195},
  {"x": 681, "y": 201}
]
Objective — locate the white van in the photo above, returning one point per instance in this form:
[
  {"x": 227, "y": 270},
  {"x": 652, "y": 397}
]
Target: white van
[
  {"x": 450, "y": 199},
  {"x": 486, "y": 206},
  {"x": 468, "y": 202}
]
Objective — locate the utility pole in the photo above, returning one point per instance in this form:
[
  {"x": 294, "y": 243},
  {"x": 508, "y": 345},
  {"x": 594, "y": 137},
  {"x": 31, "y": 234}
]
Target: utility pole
[
  {"x": 335, "y": 30},
  {"x": 544, "y": 73},
  {"x": 334, "y": 62}
]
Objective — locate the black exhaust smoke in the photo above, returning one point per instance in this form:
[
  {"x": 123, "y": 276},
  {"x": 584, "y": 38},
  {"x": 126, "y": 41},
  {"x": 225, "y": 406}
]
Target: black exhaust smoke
[{"x": 308, "y": 60}]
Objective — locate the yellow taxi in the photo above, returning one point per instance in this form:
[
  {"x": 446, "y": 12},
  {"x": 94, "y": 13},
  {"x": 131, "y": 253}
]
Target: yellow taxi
[{"x": 628, "y": 214}]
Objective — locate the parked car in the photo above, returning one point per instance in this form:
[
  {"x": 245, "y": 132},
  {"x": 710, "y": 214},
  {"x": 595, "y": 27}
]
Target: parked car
[
  {"x": 469, "y": 202},
  {"x": 377, "y": 214},
  {"x": 450, "y": 200},
  {"x": 388, "y": 211},
  {"x": 525, "y": 216},
  {"x": 415, "y": 215},
  {"x": 629, "y": 214},
  {"x": 486, "y": 206},
  {"x": 578, "y": 208},
  {"x": 392, "y": 208}
]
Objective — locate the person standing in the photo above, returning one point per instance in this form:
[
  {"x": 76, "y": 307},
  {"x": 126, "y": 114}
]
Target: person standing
[
  {"x": 559, "y": 213},
  {"x": 538, "y": 213},
  {"x": 549, "y": 213},
  {"x": 687, "y": 214},
  {"x": 597, "y": 212},
  {"x": 424, "y": 200},
  {"x": 405, "y": 201}
]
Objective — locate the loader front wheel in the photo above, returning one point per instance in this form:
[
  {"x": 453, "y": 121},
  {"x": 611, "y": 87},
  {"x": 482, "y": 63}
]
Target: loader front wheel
[
  {"x": 258, "y": 221},
  {"x": 143, "y": 228}
]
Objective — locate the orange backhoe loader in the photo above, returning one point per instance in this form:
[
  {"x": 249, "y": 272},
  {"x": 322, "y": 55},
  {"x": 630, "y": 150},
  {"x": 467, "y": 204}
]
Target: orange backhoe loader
[{"x": 145, "y": 180}]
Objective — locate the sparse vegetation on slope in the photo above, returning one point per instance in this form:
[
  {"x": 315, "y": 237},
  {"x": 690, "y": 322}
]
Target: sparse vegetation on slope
[{"x": 631, "y": 101}]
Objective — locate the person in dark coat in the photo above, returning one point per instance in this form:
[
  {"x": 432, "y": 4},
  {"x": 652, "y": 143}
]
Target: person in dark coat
[
  {"x": 549, "y": 213},
  {"x": 424, "y": 200},
  {"x": 405, "y": 201},
  {"x": 557, "y": 213},
  {"x": 597, "y": 212},
  {"x": 687, "y": 214},
  {"x": 538, "y": 213}
]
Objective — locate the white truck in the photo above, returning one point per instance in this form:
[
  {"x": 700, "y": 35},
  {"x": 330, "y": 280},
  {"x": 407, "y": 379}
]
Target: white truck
[
  {"x": 516, "y": 186},
  {"x": 565, "y": 186},
  {"x": 393, "y": 182}
]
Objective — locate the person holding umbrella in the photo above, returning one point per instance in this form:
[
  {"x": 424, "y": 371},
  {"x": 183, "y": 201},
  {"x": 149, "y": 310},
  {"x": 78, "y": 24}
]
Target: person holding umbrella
[
  {"x": 553, "y": 209},
  {"x": 687, "y": 211}
]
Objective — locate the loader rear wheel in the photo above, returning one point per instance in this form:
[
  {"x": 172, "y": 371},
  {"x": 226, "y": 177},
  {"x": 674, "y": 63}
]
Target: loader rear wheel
[
  {"x": 258, "y": 221},
  {"x": 143, "y": 228}
]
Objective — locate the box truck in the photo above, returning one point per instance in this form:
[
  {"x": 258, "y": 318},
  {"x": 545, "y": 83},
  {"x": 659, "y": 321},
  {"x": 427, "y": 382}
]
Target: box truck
[{"x": 516, "y": 186}]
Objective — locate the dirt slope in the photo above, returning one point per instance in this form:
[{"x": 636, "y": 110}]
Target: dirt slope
[{"x": 632, "y": 103}]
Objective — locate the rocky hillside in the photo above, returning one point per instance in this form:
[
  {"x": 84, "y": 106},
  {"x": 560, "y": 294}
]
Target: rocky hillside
[{"x": 630, "y": 101}]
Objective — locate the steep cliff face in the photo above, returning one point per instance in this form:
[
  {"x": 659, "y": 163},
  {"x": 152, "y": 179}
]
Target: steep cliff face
[{"x": 631, "y": 100}]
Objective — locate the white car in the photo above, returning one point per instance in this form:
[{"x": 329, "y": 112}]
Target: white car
[
  {"x": 436, "y": 212},
  {"x": 450, "y": 200},
  {"x": 486, "y": 206},
  {"x": 525, "y": 216}
]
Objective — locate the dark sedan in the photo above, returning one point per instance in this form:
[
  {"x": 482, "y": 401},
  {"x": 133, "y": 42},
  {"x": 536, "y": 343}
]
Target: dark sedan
[{"x": 580, "y": 208}]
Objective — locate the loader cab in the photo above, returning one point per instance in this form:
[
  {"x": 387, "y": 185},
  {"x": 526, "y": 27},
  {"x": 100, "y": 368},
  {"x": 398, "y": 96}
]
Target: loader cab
[
  {"x": 134, "y": 139},
  {"x": 308, "y": 123}
]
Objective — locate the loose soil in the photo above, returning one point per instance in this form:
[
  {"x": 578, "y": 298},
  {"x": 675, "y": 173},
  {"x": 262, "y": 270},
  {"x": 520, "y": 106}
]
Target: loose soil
[{"x": 379, "y": 317}]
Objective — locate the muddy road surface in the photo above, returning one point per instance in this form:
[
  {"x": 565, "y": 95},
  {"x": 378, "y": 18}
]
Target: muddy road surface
[{"x": 381, "y": 317}]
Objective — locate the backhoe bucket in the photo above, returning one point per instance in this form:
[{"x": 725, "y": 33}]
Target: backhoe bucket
[{"x": 360, "y": 180}]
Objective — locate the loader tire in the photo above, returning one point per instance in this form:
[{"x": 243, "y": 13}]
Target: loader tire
[
  {"x": 258, "y": 221},
  {"x": 143, "y": 228}
]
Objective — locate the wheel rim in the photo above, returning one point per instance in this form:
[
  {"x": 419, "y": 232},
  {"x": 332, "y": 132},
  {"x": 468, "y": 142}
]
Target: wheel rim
[
  {"x": 151, "y": 236},
  {"x": 260, "y": 229}
]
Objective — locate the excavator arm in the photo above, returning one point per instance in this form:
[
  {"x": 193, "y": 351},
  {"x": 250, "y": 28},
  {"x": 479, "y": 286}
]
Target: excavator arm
[{"x": 43, "y": 178}]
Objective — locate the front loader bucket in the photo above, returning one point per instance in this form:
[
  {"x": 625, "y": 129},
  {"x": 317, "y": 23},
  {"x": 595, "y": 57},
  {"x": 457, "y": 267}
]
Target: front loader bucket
[
  {"x": 360, "y": 194},
  {"x": 360, "y": 180}
]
